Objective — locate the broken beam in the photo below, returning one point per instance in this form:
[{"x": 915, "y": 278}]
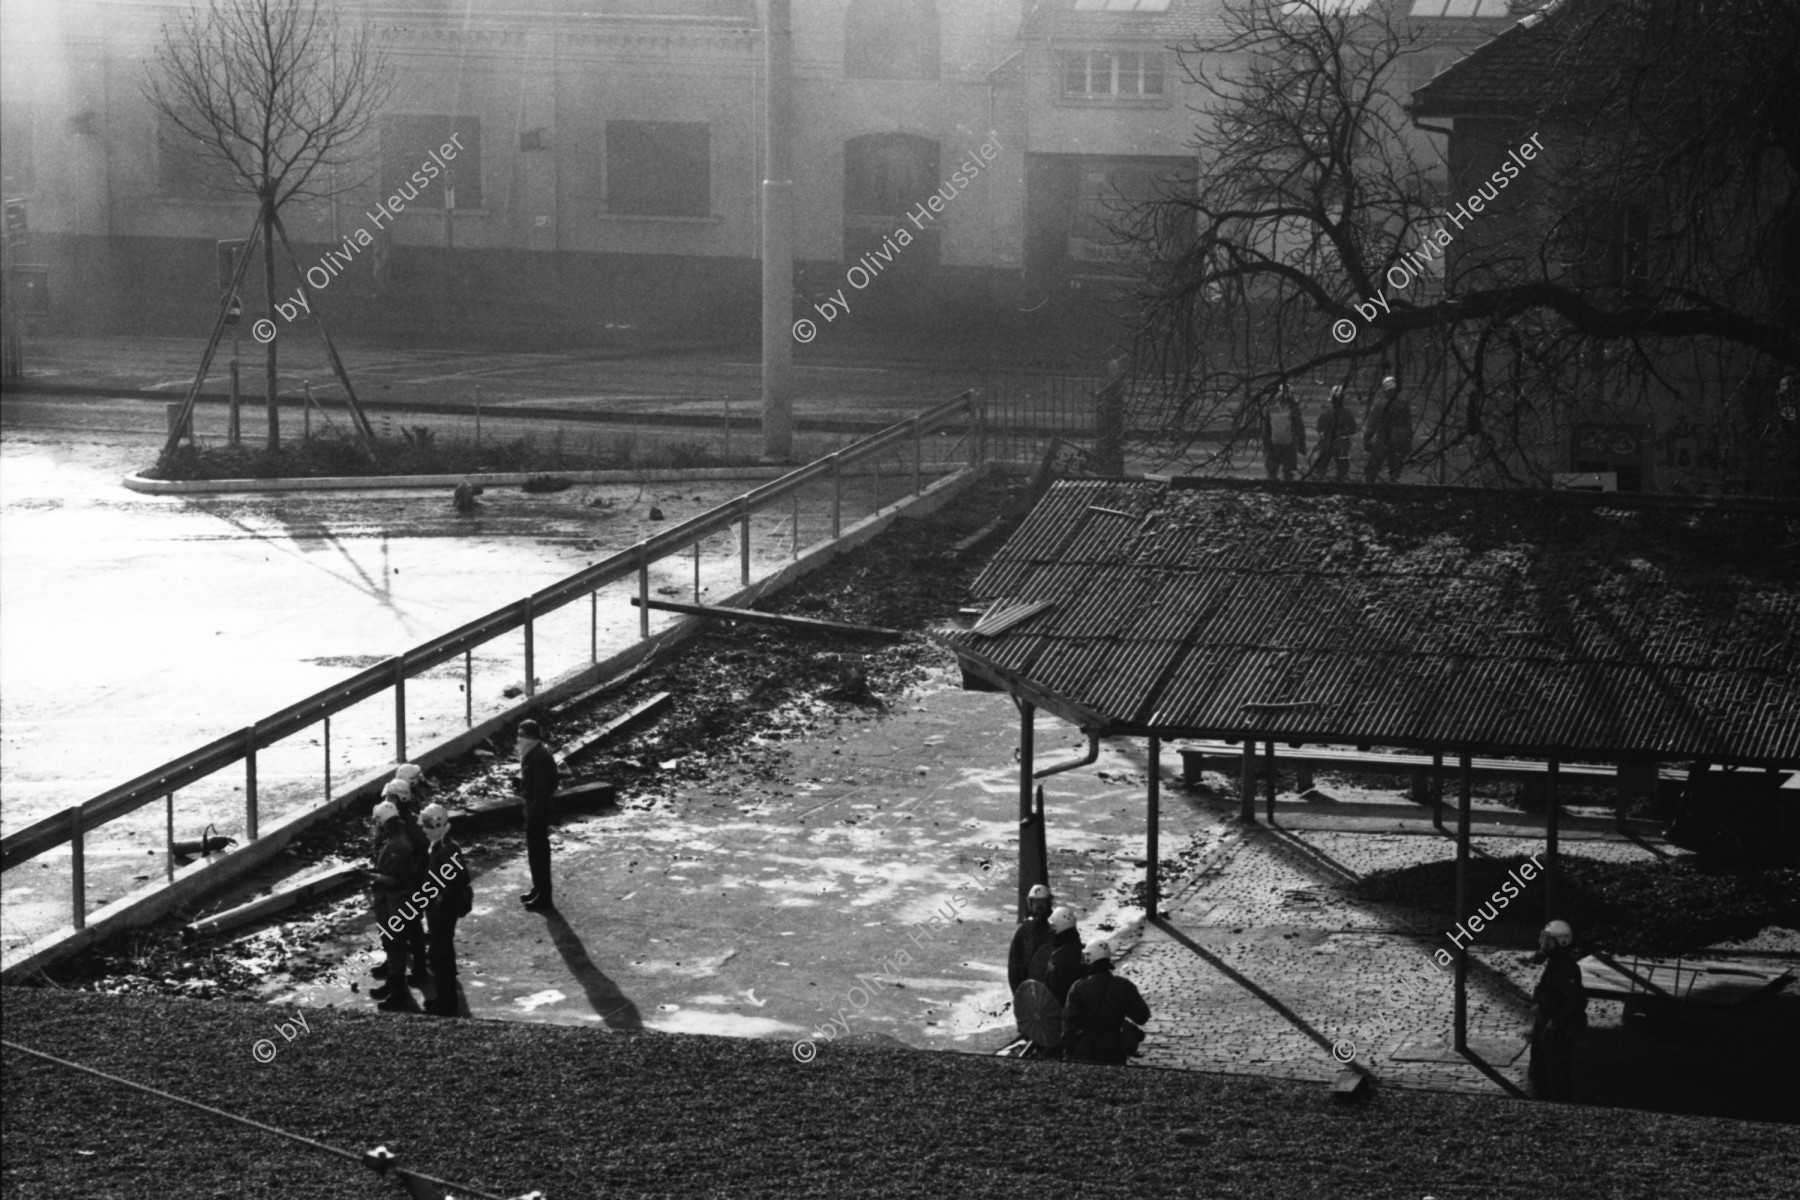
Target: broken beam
[
  {"x": 749, "y": 614},
  {"x": 642, "y": 712},
  {"x": 243, "y": 914}
]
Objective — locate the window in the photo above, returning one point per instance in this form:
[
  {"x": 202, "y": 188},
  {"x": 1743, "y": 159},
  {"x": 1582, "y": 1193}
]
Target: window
[
  {"x": 407, "y": 143},
  {"x": 184, "y": 170},
  {"x": 1112, "y": 74},
  {"x": 886, "y": 176},
  {"x": 659, "y": 168},
  {"x": 891, "y": 39}
]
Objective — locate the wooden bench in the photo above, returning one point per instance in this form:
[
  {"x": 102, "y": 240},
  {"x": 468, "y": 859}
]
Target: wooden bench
[{"x": 1227, "y": 758}]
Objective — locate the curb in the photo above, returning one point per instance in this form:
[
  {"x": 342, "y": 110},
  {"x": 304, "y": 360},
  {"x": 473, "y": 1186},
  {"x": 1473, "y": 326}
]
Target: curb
[{"x": 324, "y": 483}]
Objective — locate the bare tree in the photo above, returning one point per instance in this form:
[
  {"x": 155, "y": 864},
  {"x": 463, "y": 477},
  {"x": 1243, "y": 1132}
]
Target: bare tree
[
  {"x": 1311, "y": 247},
  {"x": 272, "y": 95}
]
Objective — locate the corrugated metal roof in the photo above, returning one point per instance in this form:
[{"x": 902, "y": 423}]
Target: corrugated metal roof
[{"x": 1498, "y": 622}]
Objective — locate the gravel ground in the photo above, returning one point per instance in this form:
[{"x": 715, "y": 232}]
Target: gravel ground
[{"x": 579, "y": 1113}]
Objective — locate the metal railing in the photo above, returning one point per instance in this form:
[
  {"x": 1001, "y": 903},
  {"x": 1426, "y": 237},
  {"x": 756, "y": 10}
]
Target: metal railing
[{"x": 73, "y": 824}]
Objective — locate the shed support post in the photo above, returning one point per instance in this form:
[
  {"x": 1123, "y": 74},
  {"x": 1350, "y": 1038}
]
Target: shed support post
[
  {"x": 169, "y": 846},
  {"x": 1269, "y": 784},
  {"x": 1027, "y": 750},
  {"x": 1465, "y": 797},
  {"x": 1551, "y": 815},
  {"x": 1247, "y": 785},
  {"x": 1153, "y": 815},
  {"x": 1437, "y": 790}
]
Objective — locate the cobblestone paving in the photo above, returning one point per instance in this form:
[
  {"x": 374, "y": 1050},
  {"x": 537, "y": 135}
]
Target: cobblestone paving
[{"x": 1271, "y": 965}]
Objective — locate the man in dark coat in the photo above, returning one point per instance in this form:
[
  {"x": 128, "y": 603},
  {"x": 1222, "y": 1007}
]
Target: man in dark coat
[
  {"x": 390, "y": 882},
  {"x": 448, "y": 898},
  {"x": 537, "y": 779},
  {"x": 399, "y": 791},
  {"x": 1058, "y": 965},
  {"x": 1097, "y": 1009},
  {"x": 1559, "y": 1014},
  {"x": 1033, "y": 932},
  {"x": 1284, "y": 434},
  {"x": 1337, "y": 426},
  {"x": 1389, "y": 434}
]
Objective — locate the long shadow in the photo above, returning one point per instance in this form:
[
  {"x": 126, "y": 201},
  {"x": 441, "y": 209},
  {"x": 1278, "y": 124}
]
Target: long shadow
[
  {"x": 613, "y": 1006},
  {"x": 1293, "y": 1018},
  {"x": 1481, "y": 1064}
]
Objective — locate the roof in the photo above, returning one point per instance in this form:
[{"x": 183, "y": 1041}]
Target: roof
[
  {"x": 1564, "y": 53},
  {"x": 1461, "y": 620}
]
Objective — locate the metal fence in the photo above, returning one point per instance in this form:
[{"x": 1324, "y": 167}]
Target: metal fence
[
  {"x": 910, "y": 440},
  {"x": 1026, "y": 412}
]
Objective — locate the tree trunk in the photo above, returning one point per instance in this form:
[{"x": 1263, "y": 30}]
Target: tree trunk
[{"x": 269, "y": 383}]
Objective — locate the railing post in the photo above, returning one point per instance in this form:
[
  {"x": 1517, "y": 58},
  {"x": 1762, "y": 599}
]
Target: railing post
[
  {"x": 875, "y": 464},
  {"x": 77, "y": 868},
  {"x": 795, "y": 538},
  {"x": 327, "y": 758},
  {"x": 696, "y": 570},
  {"x": 643, "y": 550},
  {"x": 837, "y": 497},
  {"x": 530, "y": 652},
  {"x": 468, "y": 689},
  {"x": 170, "y": 855},
  {"x": 918, "y": 454},
  {"x": 594, "y": 626},
  {"x": 978, "y": 415},
  {"x": 249, "y": 785},
  {"x": 400, "y": 708},
  {"x": 744, "y": 542}
]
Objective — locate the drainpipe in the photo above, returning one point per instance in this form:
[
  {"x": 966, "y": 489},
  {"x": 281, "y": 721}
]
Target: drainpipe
[{"x": 1089, "y": 759}]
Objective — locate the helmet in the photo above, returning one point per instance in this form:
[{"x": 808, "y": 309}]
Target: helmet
[
  {"x": 1557, "y": 932},
  {"x": 1063, "y": 918},
  {"x": 398, "y": 787},
  {"x": 434, "y": 819},
  {"x": 1038, "y": 892},
  {"x": 384, "y": 812},
  {"x": 1096, "y": 952},
  {"x": 408, "y": 772}
]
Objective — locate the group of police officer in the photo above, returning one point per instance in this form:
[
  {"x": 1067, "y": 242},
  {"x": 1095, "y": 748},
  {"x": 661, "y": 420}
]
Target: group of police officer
[
  {"x": 421, "y": 888},
  {"x": 1101, "y": 1012}
]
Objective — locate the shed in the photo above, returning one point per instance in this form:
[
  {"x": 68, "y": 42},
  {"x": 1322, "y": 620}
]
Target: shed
[{"x": 1560, "y": 626}]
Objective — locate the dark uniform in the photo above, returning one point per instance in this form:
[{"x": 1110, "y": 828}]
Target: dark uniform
[
  {"x": 1389, "y": 436},
  {"x": 397, "y": 866},
  {"x": 1337, "y": 426},
  {"x": 1284, "y": 437},
  {"x": 1058, "y": 965},
  {"x": 1032, "y": 935},
  {"x": 455, "y": 897},
  {"x": 1560, "y": 1015},
  {"x": 1095, "y": 1014},
  {"x": 537, "y": 778}
]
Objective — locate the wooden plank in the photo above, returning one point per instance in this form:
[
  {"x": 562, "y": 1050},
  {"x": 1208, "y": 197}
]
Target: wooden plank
[
  {"x": 979, "y": 536},
  {"x": 1711, "y": 984},
  {"x": 243, "y": 914},
  {"x": 641, "y": 712},
  {"x": 750, "y": 614}
]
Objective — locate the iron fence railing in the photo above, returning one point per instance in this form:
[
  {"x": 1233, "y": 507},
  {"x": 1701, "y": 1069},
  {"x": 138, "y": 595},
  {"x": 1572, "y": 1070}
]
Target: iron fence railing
[{"x": 964, "y": 413}]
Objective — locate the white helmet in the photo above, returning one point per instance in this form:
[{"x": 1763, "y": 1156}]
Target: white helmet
[
  {"x": 408, "y": 772},
  {"x": 434, "y": 819},
  {"x": 1063, "y": 918},
  {"x": 1038, "y": 892},
  {"x": 398, "y": 787},
  {"x": 1096, "y": 951},
  {"x": 1557, "y": 933},
  {"x": 384, "y": 812}
]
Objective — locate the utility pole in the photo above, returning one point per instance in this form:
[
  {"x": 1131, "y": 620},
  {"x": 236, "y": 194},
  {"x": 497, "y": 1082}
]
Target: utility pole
[{"x": 777, "y": 238}]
